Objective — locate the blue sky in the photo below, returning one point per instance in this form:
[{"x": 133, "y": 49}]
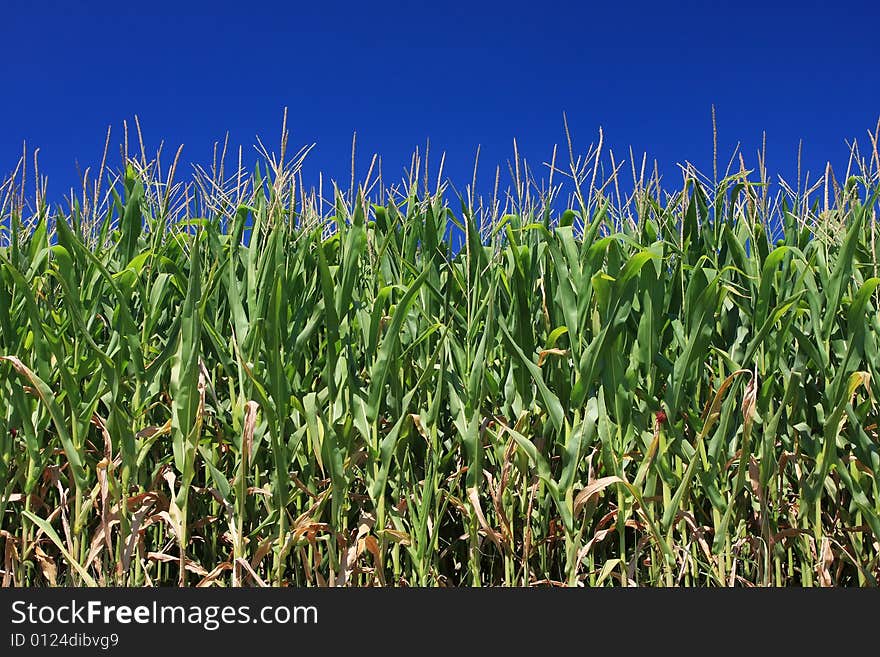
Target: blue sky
[{"x": 461, "y": 74}]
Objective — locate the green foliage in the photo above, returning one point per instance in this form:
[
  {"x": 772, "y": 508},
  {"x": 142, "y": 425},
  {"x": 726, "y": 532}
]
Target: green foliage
[{"x": 228, "y": 386}]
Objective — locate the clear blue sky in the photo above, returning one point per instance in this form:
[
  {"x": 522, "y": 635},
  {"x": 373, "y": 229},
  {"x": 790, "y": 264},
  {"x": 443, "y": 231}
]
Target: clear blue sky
[{"x": 461, "y": 74}]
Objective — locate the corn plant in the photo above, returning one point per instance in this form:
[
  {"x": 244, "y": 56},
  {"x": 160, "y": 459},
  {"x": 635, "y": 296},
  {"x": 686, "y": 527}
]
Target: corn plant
[{"x": 232, "y": 380}]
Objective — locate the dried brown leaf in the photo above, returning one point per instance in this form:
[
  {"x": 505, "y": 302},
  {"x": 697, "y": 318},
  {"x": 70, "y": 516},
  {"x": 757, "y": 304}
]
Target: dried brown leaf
[
  {"x": 593, "y": 488},
  {"x": 826, "y": 559},
  {"x": 494, "y": 535},
  {"x": 218, "y": 570},
  {"x": 250, "y": 423},
  {"x": 47, "y": 565},
  {"x": 542, "y": 355}
]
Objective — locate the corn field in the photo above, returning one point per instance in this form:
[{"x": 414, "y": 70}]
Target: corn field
[{"x": 236, "y": 379}]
